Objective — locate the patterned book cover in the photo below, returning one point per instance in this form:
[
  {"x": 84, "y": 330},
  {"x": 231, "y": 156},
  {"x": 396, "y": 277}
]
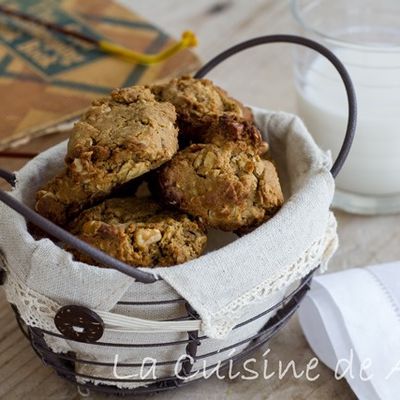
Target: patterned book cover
[{"x": 46, "y": 78}]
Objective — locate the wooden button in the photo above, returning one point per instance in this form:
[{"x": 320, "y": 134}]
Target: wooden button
[{"x": 79, "y": 323}]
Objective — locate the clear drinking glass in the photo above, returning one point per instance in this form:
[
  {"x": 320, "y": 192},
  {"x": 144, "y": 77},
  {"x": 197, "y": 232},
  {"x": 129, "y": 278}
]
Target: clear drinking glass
[{"x": 365, "y": 35}]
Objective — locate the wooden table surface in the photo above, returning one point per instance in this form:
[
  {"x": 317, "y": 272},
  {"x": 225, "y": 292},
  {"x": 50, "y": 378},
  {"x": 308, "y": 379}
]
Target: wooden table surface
[{"x": 261, "y": 77}]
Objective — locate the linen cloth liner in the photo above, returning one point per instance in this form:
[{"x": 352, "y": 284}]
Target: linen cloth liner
[
  {"x": 226, "y": 286},
  {"x": 219, "y": 285}
]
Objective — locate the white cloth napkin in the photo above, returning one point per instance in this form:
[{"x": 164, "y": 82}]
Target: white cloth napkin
[{"x": 351, "y": 320}]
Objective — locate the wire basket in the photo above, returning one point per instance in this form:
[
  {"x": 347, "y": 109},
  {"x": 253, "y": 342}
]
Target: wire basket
[{"x": 91, "y": 324}]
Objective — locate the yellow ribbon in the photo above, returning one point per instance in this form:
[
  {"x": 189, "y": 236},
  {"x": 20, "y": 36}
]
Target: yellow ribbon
[{"x": 188, "y": 39}]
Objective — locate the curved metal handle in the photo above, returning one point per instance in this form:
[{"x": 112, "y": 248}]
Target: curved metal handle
[
  {"x": 145, "y": 277},
  {"x": 7, "y": 176},
  {"x": 351, "y": 96}
]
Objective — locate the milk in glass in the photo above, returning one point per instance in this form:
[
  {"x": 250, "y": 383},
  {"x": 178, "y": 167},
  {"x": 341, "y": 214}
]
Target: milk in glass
[{"x": 373, "y": 166}]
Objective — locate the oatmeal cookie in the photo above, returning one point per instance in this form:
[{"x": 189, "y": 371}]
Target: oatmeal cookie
[
  {"x": 198, "y": 102},
  {"x": 139, "y": 232},
  {"x": 228, "y": 187},
  {"x": 119, "y": 138}
]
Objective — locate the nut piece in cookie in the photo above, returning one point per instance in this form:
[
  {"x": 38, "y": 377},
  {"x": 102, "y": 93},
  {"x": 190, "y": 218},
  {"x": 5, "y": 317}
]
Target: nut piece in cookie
[
  {"x": 198, "y": 102},
  {"x": 228, "y": 187},
  {"x": 119, "y": 138},
  {"x": 233, "y": 129},
  {"x": 139, "y": 232}
]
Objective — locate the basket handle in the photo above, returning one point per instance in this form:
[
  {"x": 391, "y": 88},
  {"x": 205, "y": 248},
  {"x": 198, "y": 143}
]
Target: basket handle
[
  {"x": 351, "y": 96},
  {"x": 145, "y": 277}
]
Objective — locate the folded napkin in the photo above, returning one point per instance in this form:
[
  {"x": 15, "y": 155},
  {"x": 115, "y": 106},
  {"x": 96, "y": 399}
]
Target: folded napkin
[{"x": 351, "y": 320}]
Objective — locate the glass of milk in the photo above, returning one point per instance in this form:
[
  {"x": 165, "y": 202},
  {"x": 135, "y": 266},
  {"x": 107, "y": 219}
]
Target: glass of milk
[{"x": 365, "y": 35}]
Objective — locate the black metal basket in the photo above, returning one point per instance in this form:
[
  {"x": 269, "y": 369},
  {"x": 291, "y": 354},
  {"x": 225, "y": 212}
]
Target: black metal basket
[{"x": 64, "y": 364}]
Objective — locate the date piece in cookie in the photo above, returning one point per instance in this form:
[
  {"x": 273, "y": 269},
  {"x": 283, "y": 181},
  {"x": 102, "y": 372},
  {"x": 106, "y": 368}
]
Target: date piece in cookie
[
  {"x": 198, "y": 102},
  {"x": 119, "y": 138},
  {"x": 228, "y": 187},
  {"x": 139, "y": 232}
]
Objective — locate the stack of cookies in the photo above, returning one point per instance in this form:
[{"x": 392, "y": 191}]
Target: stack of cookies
[{"x": 198, "y": 150}]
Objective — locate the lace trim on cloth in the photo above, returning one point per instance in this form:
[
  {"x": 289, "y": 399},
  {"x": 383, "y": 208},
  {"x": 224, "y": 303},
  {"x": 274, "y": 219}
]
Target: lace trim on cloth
[
  {"x": 35, "y": 309},
  {"x": 221, "y": 323}
]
